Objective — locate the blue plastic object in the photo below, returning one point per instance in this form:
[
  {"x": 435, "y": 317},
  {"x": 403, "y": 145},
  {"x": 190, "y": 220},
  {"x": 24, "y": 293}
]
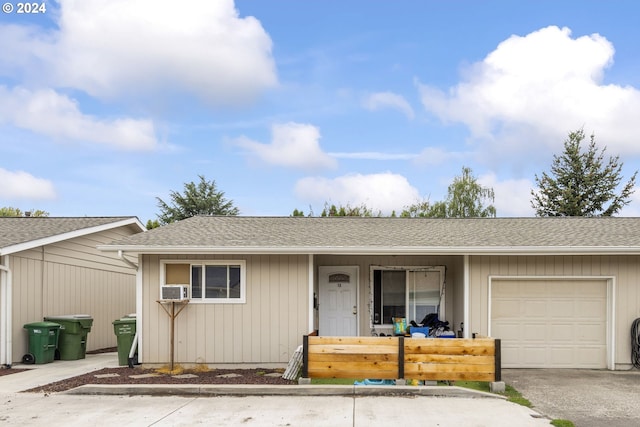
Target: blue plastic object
[{"x": 375, "y": 382}]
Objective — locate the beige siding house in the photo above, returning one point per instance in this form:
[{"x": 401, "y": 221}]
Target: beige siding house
[
  {"x": 51, "y": 266},
  {"x": 558, "y": 292}
]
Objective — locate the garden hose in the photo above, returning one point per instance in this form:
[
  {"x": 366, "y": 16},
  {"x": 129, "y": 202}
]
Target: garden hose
[{"x": 635, "y": 343}]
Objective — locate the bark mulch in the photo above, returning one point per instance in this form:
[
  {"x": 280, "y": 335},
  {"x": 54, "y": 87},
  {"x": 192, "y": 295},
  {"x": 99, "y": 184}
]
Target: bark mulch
[{"x": 138, "y": 375}]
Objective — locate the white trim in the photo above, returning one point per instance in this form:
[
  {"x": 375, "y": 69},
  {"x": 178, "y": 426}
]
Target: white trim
[
  {"x": 611, "y": 304},
  {"x": 310, "y": 277},
  {"x": 70, "y": 235},
  {"x": 204, "y": 262},
  {"x": 139, "y": 308},
  {"x": 466, "y": 297},
  {"x": 386, "y": 250},
  {"x": 6, "y": 347}
]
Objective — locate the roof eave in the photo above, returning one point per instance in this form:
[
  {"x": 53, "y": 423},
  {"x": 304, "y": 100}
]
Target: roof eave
[
  {"x": 8, "y": 250},
  {"x": 393, "y": 250}
]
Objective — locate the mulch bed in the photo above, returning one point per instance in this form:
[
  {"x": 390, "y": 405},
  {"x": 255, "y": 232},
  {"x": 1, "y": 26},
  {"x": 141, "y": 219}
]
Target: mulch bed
[{"x": 124, "y": 375}]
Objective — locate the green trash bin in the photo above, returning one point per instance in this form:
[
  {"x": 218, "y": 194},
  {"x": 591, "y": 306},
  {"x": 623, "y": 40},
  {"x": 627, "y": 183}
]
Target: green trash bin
[
  {"x": 74, "y": 328},
  {"x": 43, "y": 341},
  {"x": 125, "y": 330}
]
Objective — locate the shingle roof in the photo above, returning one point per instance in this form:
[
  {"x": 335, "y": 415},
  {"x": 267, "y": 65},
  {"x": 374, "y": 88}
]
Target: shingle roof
[
  {"x": 21, "y": 231},
  {"x": 387, "y": 235}
]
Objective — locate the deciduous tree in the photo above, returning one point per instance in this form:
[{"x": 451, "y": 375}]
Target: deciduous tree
[
  {"x": 11, "y": 211},
  {"x": 466, "y": 198}
]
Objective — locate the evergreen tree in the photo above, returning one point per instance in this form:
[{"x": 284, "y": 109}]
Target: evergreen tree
[
  {"x": 580, "y": 183},
  {"x": 197, "y": 199}
]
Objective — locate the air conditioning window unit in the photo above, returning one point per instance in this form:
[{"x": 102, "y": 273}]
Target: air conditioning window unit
[{"x": 174, "y": 292}]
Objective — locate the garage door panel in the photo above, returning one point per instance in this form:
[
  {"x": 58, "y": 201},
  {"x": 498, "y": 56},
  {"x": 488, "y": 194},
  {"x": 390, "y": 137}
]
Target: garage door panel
[
  {"x": 509, "y": 309},
  {"x": 591, "y": 308},
  {"x": 533, "y": 308},
  {"x": 533, "y": 356},
  {"x": 532, "y": 332},
  {"x": 553, "y": 323}
]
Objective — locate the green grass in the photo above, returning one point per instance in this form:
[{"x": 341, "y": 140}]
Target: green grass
[
  {"x": 562, "y": 423},
  {"x": 511, "y": 393},
  {"x": 473, "y": 385}
]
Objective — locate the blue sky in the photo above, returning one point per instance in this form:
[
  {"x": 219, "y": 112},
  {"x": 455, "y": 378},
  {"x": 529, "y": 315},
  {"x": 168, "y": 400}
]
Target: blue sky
[{"x": 107, "y": 104}]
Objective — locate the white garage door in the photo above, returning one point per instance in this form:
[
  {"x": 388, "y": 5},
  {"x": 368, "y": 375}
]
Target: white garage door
[{"x": 550, "y": 323}]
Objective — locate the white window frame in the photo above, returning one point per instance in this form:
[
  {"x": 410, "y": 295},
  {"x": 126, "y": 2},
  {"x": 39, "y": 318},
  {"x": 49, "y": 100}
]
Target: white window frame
[{"x": 204, "y": 263}]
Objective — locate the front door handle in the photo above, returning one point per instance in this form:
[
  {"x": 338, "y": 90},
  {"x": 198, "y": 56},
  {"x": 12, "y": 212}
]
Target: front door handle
[{"x": 355, "y": 309}]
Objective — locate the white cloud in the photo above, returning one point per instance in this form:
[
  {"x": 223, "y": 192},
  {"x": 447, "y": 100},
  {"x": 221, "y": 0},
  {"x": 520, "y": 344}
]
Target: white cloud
[
  {"x": 380, "y": 100},
  {"x": 513, "y": 196},
  {"x": 109, "y": 48},
  {"x": 533, "y": 90},
  {"x": 22, "y": 185},
  {"x": 49, "y": 113},
  {"x": 293, "y": 145},
  {"x": 383, "y": 191}
]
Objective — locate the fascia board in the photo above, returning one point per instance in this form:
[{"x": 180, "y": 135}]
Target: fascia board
[
  {"x": 70, "y": 235},
  {"x": 400, "y": 250}
]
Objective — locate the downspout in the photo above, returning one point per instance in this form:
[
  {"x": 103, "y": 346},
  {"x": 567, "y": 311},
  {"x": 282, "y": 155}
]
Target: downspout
[
  {"x": 136, "y": 337},
  {"x": 311, "y": 296},
  {"x": 6, "y": 348},
  {"x": 126, "y": 261}
]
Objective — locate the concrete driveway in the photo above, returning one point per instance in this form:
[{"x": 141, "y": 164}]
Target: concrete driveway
[{"x": 589, "y": 398}]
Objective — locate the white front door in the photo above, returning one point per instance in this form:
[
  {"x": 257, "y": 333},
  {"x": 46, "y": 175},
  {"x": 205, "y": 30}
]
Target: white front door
[{"x": 337, "y": 305}]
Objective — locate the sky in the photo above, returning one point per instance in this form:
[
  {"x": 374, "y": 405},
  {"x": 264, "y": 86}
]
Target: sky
[{"x": 107, "y": 105}]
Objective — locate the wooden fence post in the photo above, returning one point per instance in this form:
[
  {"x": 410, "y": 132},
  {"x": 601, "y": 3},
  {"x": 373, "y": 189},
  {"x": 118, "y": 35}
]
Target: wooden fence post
[
  {"x": 305, "y": 356},
  {"x": 498, "y": 360},
  {"x": 401, "y": 358}
]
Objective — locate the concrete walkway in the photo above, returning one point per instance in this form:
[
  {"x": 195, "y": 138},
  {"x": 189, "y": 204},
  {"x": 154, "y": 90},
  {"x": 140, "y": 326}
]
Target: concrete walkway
[
  {"x": 58, "y": 370},
  {"x": 256, "y": 406}
]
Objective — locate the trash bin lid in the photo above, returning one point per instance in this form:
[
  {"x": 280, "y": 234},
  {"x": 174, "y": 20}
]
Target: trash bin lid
[
  {"x": 71, "y": 316},
  {"x": 43, "y": 325}
]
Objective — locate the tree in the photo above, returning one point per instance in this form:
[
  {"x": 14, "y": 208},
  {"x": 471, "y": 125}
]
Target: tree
[
  {"x": 466, "y": 198},
  {"x": 152, "y": 224},
  {"x": 197, "y": 199},
  {"x": 348, "y": 210},
  {"x": 10, "y": 211},
  {"x": 580, "y": 183}
]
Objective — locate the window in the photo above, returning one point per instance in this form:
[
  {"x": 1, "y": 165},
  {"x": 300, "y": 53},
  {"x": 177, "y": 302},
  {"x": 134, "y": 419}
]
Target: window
[
  {"x": 411, "y": 293},
  {"x": 210, "y": 281}
]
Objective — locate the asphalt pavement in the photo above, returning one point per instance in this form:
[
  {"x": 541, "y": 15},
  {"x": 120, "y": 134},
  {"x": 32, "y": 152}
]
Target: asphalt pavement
[
  {"x": 257, "y": 406},
  {"x": 589, "y": 398}
]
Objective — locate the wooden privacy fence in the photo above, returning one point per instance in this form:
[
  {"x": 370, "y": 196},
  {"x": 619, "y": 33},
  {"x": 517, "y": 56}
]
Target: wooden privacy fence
[{"x": 434, "y": 359}]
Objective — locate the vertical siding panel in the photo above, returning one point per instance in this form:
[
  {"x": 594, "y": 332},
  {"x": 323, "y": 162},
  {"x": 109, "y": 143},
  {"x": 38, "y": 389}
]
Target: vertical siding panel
[
  {"x": 251, "y": 343},
  {"x": 274, "y": 314}
]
